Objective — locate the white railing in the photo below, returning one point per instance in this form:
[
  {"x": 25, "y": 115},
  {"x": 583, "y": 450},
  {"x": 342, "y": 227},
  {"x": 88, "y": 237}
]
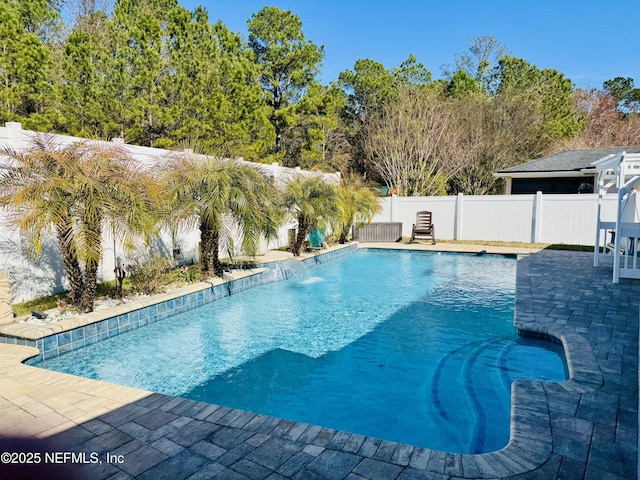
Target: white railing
[{"x": 620, "y": 172}]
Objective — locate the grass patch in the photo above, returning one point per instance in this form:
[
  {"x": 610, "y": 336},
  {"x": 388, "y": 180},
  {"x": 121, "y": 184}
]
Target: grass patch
[
  {"x": 43, "y": 303},
  {"x": 573, "y": 248},
  {"x": 491, "y": 243}
]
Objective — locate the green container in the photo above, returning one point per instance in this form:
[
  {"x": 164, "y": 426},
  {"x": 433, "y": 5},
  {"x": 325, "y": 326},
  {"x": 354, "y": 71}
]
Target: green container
[{"x": 316, "y": 238}]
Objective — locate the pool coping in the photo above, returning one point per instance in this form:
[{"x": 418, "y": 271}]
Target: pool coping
[{"x": 531, "y": 440}]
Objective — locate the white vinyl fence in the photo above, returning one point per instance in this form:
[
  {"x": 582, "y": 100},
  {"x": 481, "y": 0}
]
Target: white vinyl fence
[{"x": 566, "y": 219}]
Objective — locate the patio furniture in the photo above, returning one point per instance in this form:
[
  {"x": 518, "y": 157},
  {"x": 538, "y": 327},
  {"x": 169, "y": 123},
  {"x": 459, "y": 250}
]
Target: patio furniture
[{"x": 423, "y": 227}]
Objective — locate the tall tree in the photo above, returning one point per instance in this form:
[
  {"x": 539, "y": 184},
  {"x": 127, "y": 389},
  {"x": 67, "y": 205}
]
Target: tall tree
[
  {"x": 605, "y": 124},
  {"x": 462, "y": 85},
  {"x": 79, "y": 9},
  {"x": 137, "y": 31},
  {"x": 77, "y": 190},
  {"x": 369, "y": 86},
  {"x": 213, "y": 94},
  {"x": 410, "y": 143},
  {"x": 26, "y": 81},
  {"x": 525, "y": 113},
  {"x": 87, "y": 64},
  {"x": 623, "y": 90},
  {"x": 479, "y": 62},
  {"x": 289, "y": 62},
  {"x": 548, "y": 90},
  {"x": 412, "y": 72},
  {"x": 315, "y": 138},
  {"x": 156, "y": 73},
  {"x": 40, "y": 17},
  {"x": 496, "y": 133}
]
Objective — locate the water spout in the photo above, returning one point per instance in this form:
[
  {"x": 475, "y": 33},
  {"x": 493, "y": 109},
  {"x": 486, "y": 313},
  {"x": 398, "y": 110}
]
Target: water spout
[{"x": 287, "y": 269}]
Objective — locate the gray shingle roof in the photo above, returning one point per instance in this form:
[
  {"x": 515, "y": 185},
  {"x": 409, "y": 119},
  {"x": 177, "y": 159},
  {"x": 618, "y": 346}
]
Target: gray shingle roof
[{"x": 568, "y": 161}]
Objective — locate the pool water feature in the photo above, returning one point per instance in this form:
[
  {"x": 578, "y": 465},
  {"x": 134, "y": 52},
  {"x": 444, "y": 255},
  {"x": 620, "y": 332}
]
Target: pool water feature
[{"x": 413, "y": 347}]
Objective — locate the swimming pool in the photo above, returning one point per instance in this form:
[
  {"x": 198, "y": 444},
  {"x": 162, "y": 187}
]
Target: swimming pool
[{"x": 415, "y": 347}]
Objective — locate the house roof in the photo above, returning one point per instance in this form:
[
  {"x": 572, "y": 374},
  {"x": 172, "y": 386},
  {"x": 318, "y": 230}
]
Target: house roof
[{"x": 567, "y": 161}]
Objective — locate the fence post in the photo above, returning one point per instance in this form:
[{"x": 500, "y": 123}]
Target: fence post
[
  {"x": 394, "y": 206},
  {"x": 536, "y": 218},
  {"x": 457, "y": 224}
]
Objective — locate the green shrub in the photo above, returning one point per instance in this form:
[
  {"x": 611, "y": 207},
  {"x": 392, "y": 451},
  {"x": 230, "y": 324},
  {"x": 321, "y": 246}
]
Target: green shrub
[{"x": 151, "y": 276}]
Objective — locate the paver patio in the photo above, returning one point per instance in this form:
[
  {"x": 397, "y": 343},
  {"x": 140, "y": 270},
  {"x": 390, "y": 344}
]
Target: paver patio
[{"x": 586, "y": 427}]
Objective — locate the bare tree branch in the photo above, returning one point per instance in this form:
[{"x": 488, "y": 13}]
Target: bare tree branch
[{"x": 411, "y": 144}]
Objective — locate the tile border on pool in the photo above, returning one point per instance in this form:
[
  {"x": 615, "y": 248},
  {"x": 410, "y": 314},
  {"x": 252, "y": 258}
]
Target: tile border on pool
[{"x": 54, "y": 345}]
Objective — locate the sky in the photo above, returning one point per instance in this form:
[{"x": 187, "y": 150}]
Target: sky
[{"x": 589, "y": 41}]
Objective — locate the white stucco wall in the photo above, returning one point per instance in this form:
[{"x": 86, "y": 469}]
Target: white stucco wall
[{"x": 34, "y": 277}]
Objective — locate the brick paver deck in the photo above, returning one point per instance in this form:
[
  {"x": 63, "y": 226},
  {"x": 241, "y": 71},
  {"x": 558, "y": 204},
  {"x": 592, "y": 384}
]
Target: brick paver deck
[{"x": 583, "y": 428}]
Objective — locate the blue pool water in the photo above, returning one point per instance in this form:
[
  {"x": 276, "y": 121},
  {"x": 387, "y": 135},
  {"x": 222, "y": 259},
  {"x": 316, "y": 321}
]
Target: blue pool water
[{"x": 414, "y": 347}]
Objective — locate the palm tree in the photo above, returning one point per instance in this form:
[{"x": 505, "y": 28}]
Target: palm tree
[
  {"x": 313, "y": 202},
  {"x": 225, "y": 199},
  {"x": 357, "y": 204},
  {"x": 76, "y": 189}
]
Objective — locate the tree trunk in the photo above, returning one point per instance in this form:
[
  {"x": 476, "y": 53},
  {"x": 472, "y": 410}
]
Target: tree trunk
[
  {"x": 344, "y": 233},
  {"x": 94, "y": 244},
  {"x": 206, "y": 251},
  {"x": 87, "y": 298},
  {"x": 303, "y": 230},
  {"x": 71, "y": 264},
  {"x": 217, "y": 265}
]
